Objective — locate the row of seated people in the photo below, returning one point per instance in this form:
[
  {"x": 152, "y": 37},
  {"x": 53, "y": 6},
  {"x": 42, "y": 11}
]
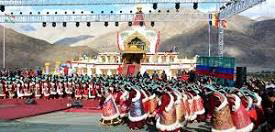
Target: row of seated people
[{"x": 47, "y": 91}]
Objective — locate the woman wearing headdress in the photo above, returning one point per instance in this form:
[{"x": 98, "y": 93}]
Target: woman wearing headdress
[
  {"x": 269, "y": 108},
  {"x": 69, "y": 88},
  {"x": 10, "y": 90},
  {"x": 53, "y": 92},
  {"x": 124, "y": 104},
  {"x": 92, "y": 90},
  {"x": 180, "y": 107},
  {"x": 136, "y": 115},
  {"x": 37, "y": 90},
  {"x": 2, "y": 89},
  {"x": 259, "y": 110},
  {"x": 153, "y": 104},
  {"x": 167, "y": 117},
  {"x": 240, "y": 117},
  {"x": 110, "y": 112},
  {"x": 221, "y": 116},
  {"x": 19, "y": 90},
  {"x": 85, "y": 93},
  {"x": 27, "y": 90},
  {"x": 78, "y": 91},
  {"x": 60, "y": 88},
  {"x": 45, "y": 90}
]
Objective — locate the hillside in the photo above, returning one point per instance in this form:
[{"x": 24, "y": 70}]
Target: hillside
[
  {"x": 24, "y": 51},
  {"x": 250, "y": 41},
  {"x": 73, "y": 40}
]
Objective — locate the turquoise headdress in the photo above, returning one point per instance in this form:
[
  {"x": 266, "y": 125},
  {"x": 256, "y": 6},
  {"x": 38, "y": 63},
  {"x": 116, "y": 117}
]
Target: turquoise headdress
[{"x": 210, "y": 87}]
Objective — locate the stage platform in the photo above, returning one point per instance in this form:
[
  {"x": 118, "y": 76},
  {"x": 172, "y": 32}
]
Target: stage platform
[{"x": 11, "y": 109}]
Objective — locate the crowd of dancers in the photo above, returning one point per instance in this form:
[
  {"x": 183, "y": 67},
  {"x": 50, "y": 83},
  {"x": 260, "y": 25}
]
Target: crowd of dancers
[
  {"x": 171, "y": 105},
  {"x": 167, "y": 104}
]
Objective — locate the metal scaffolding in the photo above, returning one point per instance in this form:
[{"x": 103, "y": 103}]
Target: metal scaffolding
[
  {"x": 230, "y": 10},
  {"x": 238, "y": 7},
  {"x": 59, "y": 18},
  {"x": 99, "y": 2}
]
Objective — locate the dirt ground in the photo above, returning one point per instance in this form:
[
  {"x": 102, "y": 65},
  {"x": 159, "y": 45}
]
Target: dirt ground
[{"x": 76, "y": 122}]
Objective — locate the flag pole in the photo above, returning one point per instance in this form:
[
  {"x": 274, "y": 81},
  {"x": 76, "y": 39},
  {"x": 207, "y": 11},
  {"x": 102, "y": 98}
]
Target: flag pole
[
  {"x": 209, "y": 36},
  {"x": 4, "y": 45}
]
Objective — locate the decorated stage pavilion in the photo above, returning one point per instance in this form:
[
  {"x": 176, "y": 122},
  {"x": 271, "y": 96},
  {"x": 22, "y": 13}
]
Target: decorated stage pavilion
[{"x": 138, "y": 52}]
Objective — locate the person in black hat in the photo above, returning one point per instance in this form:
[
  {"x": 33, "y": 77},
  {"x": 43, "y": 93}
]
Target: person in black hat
[
  {"x": 269, "y": 107},
  {"x": 163, "y": 76},
  {"x": 146, "y": 75},
  {"x": 2, "y": 90},
  {"x": 155, "y": 75}
]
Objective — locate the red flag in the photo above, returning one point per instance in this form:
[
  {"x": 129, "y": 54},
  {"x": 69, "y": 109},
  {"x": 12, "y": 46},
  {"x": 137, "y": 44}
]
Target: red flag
[{"x": 224, "y": 24}]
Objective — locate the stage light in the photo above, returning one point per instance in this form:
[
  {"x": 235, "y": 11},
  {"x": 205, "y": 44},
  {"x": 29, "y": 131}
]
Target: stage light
[
  {"x": 116, "y": 24},
  {"x": 141, "y": 23},
  {"x": 77, "y": 24},
  {"x": 130, "y": 24},
  {"x": 2, "y": 8},
  {"x": 88, "y": 24},
  {"x": 44, "y": 24},
  {"x": 177, "y": 5},
  {"x": 210, "y": 23},
  {"x": 106, "y": 24},
  {"x": 64, "y": 24},
  {"x": 227, "y": 4},
  {"x": 155, "y": 6},
  {"x": 54, "y": 24},
  {"x": 195, "y": 5},
  {"x": 152, "y": 23}
]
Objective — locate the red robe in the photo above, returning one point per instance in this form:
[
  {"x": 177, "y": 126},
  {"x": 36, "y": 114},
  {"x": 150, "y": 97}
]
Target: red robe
[
  {"x": 4, "y": 87},
  {"x": 85, "y": 92},
  {"x": 118, "y": 95},
  {"x": 145, "y": 100},
  {"x": 165, "y": 99},
  {"x": 167, "y": 121}
]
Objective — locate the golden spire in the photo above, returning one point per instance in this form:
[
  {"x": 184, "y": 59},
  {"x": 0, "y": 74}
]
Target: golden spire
[{"x": 139, "y": 8}]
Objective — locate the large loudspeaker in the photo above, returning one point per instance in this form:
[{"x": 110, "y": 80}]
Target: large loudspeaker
[
  {"x": 77, "y": 104},
  {"x": 2, "y": 8},
  {"x": 240, "y": 76},
  {"x": 30, "y": 101},
  {"x": 192, "y": 76}
]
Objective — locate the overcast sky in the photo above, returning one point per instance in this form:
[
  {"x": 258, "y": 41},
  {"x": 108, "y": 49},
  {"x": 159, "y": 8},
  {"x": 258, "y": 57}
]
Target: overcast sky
[{"x": 265, "y": 9}]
